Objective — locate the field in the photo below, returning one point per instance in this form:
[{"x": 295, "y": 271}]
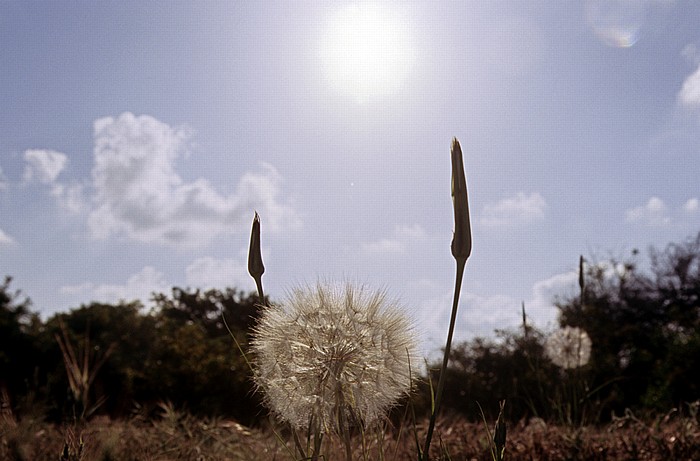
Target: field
[{"x": 177, "y": 436}]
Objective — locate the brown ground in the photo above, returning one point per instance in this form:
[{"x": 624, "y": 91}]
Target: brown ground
[{"x": 180, "y": 437}]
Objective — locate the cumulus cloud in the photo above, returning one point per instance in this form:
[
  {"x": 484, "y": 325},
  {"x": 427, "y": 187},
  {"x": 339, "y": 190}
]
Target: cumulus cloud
[
  {"x": 139, "y": 193},
  {"x": 689, "y": 95},
  {"x": 43, "y": 165},
  {"x": 204, "y": 273},
  {"x": 397, "y": 244},
  {"x": 656, "y": 213},
  {"x": 480, "y": 315},
  {"x": 4, "y": 238},
  {"x": 653, "y": 213},
  {"x": 511, "y": 210},
  {"x": 69, "y": 197},
  {"x": 540, "y": 307},
  {"x": 692, "y": 206},
  {"x": 139, "y": 286},
  {"x": 209, "y": 273}
]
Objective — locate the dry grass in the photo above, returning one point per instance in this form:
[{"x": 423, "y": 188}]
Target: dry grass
[{"x": 176, "y": 436}]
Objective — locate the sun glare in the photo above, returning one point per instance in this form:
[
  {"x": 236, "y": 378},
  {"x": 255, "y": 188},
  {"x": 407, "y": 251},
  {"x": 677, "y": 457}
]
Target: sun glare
[{"x": 366, "y": 51}]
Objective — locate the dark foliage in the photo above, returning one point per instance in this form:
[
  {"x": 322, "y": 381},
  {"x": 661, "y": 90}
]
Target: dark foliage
[
  {"x": 645, "y": 331},
  {"x": 197, "y": 363},
  {"x": 181, "y": 352},
  {"x": 645, "y": 328},
  {"x": 18, "y": 354},
  {"x": 512, "y": 367}
]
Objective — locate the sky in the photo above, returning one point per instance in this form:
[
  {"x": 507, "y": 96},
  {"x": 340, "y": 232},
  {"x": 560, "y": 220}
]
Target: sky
[{"x": 137, "y": 139}]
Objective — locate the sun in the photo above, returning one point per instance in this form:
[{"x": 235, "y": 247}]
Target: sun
[{"x": 365, "y": 51}]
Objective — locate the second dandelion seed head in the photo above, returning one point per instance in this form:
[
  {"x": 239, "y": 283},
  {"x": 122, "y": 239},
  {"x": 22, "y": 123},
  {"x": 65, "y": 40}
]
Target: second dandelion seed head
[{"x": 569, "y": 347}]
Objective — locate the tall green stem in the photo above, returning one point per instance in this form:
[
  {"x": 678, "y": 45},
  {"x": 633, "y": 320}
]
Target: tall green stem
[{"x": 461, "y": 262}]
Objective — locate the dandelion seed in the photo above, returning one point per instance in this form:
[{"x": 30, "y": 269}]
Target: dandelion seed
[
  {"x": 329, "y": 355},
  {"x": 569, "y": 347}
]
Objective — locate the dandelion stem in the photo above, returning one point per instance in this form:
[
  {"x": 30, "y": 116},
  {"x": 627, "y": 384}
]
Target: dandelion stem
[{"x": 461, "y": 262}]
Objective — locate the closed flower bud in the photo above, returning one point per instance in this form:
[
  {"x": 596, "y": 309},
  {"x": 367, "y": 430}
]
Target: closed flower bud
[
  {"x": 462, "y": 238},
  {"x": 255, "y": 262}
]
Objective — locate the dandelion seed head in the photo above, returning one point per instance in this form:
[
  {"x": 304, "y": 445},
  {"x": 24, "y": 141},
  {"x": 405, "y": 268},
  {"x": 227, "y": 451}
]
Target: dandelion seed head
[
  {"x": 330, "y": 353},
  {"x": 569, "y": 347}
]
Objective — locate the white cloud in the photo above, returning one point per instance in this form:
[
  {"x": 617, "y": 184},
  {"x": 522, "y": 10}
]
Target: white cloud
[
  {"x": 4, "y": 238},
  {"x": 139, "y": 286},
  {"x": 69, "y": 197},
  {"x": 692, "y": 206},
  {"x": 653, "y": 213},
  {"x": 691, "y": 54},
  {"x": 656, "y": 213},
  {"x": 689, "y": 95},
  {"x": 510, "y": 210},
  {"x": 43, "y": 165},
  {"x": 138, "y": 192},
  {"x": 415, "y": 231},
  {"x": 204, "y": 273},
  {"x": 77, "y": 290},
  {"x": 477, "y": 316},
  {"x": 540, "y": 308},
  {"x": 480, "y": 316},
  {"x": 209, "y": 273},
  {"x": 3, "y": 180},
  {"x": 383, "y": 246},
  {"x": 402, "y": 236}
]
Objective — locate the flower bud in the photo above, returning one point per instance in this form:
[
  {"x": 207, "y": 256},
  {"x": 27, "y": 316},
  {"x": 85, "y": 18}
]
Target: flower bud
[
  {"x": 462, "y": 238},
  {"x": 255, "y": 262}
]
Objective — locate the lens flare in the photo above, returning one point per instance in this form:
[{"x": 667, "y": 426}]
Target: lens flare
[{"x": 617, "y": 23}]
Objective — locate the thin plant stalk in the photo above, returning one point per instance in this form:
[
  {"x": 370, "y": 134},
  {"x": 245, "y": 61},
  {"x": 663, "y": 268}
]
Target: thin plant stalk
[
  {"x": 404, "y": 419},
  {"x": 582, "y": 285},
  {"x": 256, "y": 270},
  {"x": 343, "y": 424},
  {"x": 497, "y": 440},
  {"x": 297, "y": 444},
  {"x": 445, "y": 359},
  {"x": 313, "y": 433},
  {"x": 461, "y": 250}
]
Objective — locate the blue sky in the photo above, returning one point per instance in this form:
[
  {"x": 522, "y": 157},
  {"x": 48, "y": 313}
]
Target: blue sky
[{"x": 137, "y": 139}]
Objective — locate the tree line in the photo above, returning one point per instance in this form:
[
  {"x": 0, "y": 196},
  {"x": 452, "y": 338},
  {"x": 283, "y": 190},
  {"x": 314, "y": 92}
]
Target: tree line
[
  {"x": 180, "y": 352},
  {"x": 118, "y": 359}
]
